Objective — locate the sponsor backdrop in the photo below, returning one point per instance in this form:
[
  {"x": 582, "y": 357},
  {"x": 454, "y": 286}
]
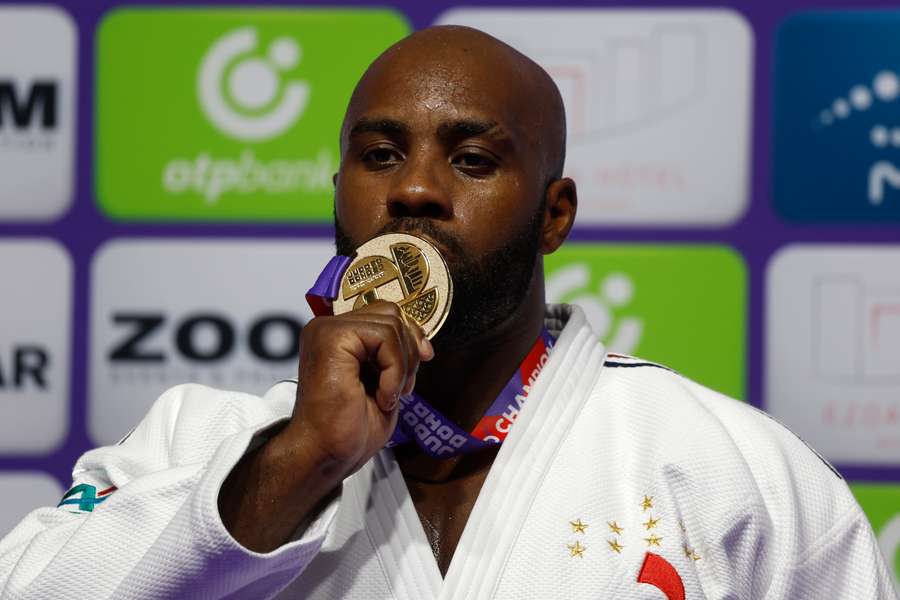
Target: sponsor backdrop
[{"x": 165, "y": 201}]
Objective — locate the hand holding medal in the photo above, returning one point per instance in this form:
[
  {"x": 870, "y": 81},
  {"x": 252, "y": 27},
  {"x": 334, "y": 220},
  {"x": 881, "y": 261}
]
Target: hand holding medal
[
  {"x": 353, "y": 369},
  {"x": 361, "y": 355},
  {"x": 409, "y": 272}
]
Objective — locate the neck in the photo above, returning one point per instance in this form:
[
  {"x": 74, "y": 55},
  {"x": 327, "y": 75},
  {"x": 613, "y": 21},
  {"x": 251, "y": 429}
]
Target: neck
[{"x": 463, "y": 382}]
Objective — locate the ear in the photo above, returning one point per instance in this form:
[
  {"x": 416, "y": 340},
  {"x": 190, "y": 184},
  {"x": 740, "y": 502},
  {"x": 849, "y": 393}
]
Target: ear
[{"x": 561, "y": 202}]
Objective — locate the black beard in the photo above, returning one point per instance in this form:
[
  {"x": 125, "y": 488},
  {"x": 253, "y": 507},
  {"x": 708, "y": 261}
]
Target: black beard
[{"x": 486, "y": 290}]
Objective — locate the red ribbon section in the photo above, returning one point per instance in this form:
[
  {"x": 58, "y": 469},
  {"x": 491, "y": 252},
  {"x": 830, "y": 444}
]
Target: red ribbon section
[{"x": 660, "y": 573}]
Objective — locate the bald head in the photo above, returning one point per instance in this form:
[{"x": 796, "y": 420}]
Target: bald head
[{"x": 467, "y": 69}]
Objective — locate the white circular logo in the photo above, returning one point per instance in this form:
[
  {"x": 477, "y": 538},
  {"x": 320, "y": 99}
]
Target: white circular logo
[
  {"x": 240, "y": 94},
  {"x": 621, "y": 333}
]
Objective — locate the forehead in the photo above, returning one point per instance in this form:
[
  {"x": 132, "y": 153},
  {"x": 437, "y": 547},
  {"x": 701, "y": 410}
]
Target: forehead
[{"x": 426, "y": 88}]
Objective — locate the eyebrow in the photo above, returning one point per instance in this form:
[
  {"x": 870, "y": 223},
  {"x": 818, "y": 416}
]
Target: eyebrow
[
  {"x": 456, "y": 129},
  {"x": 470, "y": 128},
  {"x": 384, "y": 126}
]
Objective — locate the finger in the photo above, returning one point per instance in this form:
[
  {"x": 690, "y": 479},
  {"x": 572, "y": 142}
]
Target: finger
[
  {"x": 383, "y": 307},
  {"x": 409, "y": 331},
  {"x": 404, "y": 332},
  {"x": 407, "y": 342},
  {"x": 380, "y": 344},
  {"x": 423, "y": 344},
  {"x": 412, "y": 358},
  {"x": 385, "y": 422}
]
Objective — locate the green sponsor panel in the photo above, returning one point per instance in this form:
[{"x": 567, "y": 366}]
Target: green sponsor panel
[
  {"x": 682, "y": 306},
  {"x": 228, "y": 114},
  {"x": 881, "y": 503}
]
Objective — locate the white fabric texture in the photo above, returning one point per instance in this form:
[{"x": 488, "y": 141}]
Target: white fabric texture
[{"x": 612, "y": 462}]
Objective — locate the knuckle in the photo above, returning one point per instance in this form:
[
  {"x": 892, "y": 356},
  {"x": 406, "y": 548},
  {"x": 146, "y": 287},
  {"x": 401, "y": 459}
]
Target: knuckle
[
  {"x": 310, "y": 330},
  {"x": 388, "y": 331},
  {"x": 396, "y": 322},
  {"x": 389, "y": 308}
]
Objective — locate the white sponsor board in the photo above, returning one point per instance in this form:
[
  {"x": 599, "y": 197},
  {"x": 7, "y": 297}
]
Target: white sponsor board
[
  {"x": 657, "y": 105},
  {"x": 22, "y": 493},
  {"x": 833, "y": 349},
  {"x": 221, "y": 313},
  {"x": 35, "y": 325},
  {"x": 38, "y": 49}
]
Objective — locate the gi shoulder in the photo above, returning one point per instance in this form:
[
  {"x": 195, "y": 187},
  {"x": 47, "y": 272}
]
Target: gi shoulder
[
  {"x": 724, "y": 445},
  {"x": 186, "y": 424}
]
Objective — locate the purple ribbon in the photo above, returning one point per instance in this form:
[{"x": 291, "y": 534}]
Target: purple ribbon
[
  {"x": 440, "y": 437},
  {"x": 326, "y": 288}
]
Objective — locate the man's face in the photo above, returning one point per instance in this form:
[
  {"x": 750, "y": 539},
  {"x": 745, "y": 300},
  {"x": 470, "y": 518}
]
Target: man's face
[{"x": 444, "y": 149}]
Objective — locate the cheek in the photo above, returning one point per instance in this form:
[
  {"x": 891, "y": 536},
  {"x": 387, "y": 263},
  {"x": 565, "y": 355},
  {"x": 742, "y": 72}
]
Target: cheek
[
  {"x": 359, "y": 208},
  {"x": 491, "y": 214}
]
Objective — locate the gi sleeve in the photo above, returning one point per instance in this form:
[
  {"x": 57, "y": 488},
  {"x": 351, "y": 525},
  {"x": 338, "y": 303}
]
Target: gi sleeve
[
  {"x": 845, "y": 564},
  {"x": 141, "y": 519}
]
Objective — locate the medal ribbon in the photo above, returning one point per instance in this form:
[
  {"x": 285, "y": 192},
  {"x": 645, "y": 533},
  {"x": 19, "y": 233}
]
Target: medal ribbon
[
  {"x": 418, "y": 421},
  {"x": 327, "y": 285},
  {"x": 440, "y": 437}
]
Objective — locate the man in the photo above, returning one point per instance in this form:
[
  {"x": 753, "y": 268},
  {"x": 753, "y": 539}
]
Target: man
[{"x": 619, "y": 480}]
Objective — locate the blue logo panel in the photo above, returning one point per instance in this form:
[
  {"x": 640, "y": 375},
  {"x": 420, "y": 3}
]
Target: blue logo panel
[{"x": 837, "y": 117}]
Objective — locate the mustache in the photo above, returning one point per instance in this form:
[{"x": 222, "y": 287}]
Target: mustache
[{"x": 424, "y": 228}]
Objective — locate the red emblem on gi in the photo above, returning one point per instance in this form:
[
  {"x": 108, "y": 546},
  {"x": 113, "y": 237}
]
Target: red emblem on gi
[{"x": 660, "y": 573}]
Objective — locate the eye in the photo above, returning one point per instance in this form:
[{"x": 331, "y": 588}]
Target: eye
[
  {"x": 474, "y": 163},
  {"x": 381, "y": 157}
]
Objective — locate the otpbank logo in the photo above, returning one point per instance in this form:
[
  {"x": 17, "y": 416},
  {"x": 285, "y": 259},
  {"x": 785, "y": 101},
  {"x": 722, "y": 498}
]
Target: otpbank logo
[
  {"x": 881, "y": 503},
  {"x": 229, "y": 101},
  {"x": 837, "y": 121},
  {"x": 231, "y": 114},
  {"x": 684, "y": 306}
]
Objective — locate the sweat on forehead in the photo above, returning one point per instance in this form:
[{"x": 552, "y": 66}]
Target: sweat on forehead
[{"x": 454, "y": 67}]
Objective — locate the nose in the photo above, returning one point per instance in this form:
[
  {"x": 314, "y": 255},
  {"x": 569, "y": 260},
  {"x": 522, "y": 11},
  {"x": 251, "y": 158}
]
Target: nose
[{"x": 419, "y": 191}]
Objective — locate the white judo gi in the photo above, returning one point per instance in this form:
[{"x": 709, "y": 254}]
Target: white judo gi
[{"x": 620, "y": 480}]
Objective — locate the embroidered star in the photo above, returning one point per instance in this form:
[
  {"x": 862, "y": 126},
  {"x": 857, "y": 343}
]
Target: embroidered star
[
  {"x": 614, "y": 527},
  {"x": 691, "y": 553},
  {"x": 578, "y": 526},
  {"x": 653, "y": 540},
  {"x": 576, "y": 549},
  {"x": 650, "y": 523},
  {"x": 647, "y": 503},
  {"x": 615, "y": 546}
]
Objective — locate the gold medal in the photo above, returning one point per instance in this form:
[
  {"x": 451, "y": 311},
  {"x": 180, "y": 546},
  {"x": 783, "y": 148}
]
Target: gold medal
[{"x": 400, "y": 268}]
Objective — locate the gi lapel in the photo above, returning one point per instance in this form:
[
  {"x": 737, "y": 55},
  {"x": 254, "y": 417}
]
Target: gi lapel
[
  {"x": 554, "y": 402},
  {"x": 394, "y": 529}
]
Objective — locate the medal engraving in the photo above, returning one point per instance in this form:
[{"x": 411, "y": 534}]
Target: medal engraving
[
  {"x": 413, "y": 266},
  {"x": 399, "y": 268},
  {"x": 368, "y": 274},
  {"x": 421, "y": 307}
]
